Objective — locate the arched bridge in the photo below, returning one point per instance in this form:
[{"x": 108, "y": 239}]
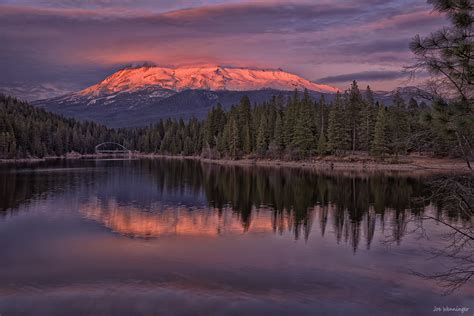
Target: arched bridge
[{"x": 103, "y": 148}]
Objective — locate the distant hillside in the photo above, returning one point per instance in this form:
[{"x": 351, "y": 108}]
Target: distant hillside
[{"x": 138, "y": 109}]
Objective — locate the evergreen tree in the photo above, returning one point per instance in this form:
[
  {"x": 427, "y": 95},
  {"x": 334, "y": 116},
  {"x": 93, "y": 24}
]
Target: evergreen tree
[
  {"x": 399, "y": 128},
  {"x": 234, "y": 138},
  {"x": 291, "y": 117},
  {"x": 367, "y": 123},
  {"x": 381, "y": 141},
  {"x": 214, "y": 124},
  {"x": 223, "y": 140},
  {"x": 244, "y": 122},
  {"x": 4, "y": 145},
  {"x": 304, "y": 138},
  {"x": 321, "y": 116},
  {"x": 262, "y": 140},
  {"x": 447, "y": 55},
  {"x": 278, "y": 136},
  {"x": 336, "y": 130},
  {"x": 188, "y": 148},
  {"x": 322, "y": 148},
  {"x": 353, "y": 111}
]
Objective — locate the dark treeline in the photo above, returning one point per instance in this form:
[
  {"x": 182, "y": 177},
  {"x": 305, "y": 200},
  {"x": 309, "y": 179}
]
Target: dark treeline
[
  {"x": 300, "y": 127},
  {"x": 293, "y": 128},
  {"x": 26, "y": 131}
]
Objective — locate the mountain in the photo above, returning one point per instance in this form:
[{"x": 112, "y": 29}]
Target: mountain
[
  {"x": 201, "y": 78},
  {"x": 137, "y": 96},
  {"x": 29, "y": 92}
]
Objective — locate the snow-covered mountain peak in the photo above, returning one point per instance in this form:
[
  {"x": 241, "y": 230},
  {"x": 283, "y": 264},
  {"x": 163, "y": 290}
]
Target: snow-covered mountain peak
[{"x": 215, "y": 78}]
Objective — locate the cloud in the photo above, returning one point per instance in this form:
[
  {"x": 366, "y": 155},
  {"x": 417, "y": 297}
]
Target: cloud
[
  {"x": 79, "y": 42},
  {"x": 155, "y": 5},
  {"x": 364, "y": 76},
  {"x": 379, "y": 45}
]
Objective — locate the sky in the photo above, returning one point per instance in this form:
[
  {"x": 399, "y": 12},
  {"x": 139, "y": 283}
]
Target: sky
[{"x": 50, "y": 47}]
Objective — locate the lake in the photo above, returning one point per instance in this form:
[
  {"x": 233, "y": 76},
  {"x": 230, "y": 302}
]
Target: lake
[{"x": 182, "y": 237}]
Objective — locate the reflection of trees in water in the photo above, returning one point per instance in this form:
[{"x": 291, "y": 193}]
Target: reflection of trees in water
[
  {"x": 19, "y": 187},
  {"x": 352, "y": 202},
  {"x": 355, "y": 201},
  {"x": 454, "y": 197}
]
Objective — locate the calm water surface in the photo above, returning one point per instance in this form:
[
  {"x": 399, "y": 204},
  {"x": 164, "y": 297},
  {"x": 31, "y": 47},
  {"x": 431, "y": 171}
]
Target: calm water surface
[{"x": 160, "y": 237}]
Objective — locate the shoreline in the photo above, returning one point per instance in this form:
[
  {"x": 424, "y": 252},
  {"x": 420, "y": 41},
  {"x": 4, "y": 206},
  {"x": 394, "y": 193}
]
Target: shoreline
[
  {"x": 328, "y": 163},
  {"x": 424, "y": 165}
]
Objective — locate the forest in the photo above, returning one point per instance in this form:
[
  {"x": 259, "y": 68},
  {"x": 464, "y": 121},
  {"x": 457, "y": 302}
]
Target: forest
[
  {"x": 295, "y": 128},
  {"x": 300, "y": 127},
  {"x": 30, "y": 132}
]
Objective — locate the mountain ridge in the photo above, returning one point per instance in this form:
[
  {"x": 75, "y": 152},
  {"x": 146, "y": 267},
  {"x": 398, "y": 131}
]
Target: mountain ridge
[
  {"x": 214, "y": 78},
  {"x": 138, "y": 109}
]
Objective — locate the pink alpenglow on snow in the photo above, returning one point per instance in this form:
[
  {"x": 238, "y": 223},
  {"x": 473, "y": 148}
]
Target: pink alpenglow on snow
[{"x": 207, "y": 78}]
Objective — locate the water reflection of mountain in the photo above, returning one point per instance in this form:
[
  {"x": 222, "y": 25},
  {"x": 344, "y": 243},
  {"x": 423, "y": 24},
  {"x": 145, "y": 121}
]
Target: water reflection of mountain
[
  {"x": 167, "y": 220},
  {"x": 152, "y": 198}
]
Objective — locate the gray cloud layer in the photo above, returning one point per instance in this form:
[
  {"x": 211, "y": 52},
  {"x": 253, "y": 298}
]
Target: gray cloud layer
[{"x": 364, "y": 76}]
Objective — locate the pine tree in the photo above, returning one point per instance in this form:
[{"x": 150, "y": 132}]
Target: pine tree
[
  {"x": 214, "y": 124},
  {"x": 223, "y": 139},
  {"x": 262, "y": 139},
  {"x": 278, "y": 139},
  {"x": 321, "y": 116},
  {"x": 367, "y": 123},
  {"x": 353, "y": 114},
  {"x": 399, "y": 128},
  {"x": 188, "y": 148},
  {"x": 11, "y": 147},
  {"x": 336, "y": 129},
  {"x": 271, "y": 113},
  {"x": 291, "y": 115},
  {"x": 322, "y": 148},
  {"x": 244, "y": 122},
  {"x": 447, "y": 55},
  {"x": 3, "y": 145},
  {"x": 246, "y": 139},
  {"x": 380, "y": 143},
  {"x": 304, "y": 138},
  {"x": 418, "y": 131},
  {"x": 234, "y": 138}
]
